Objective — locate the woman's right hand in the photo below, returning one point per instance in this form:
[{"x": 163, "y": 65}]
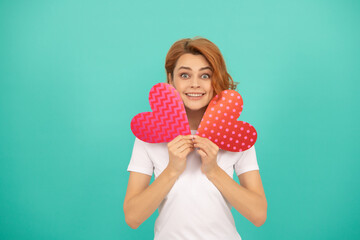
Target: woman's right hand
[{"x": 178, "y": 149}]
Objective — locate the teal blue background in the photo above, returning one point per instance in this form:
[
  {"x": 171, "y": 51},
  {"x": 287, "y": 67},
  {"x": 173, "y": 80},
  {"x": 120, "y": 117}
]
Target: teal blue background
[{"x": 74, "y": 73}]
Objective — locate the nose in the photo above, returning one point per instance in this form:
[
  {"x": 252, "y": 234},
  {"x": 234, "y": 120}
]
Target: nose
[{"x": 194, "y": 82}]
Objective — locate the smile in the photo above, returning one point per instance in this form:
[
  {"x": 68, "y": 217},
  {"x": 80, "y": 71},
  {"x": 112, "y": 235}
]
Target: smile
[{"x": 194, "y": 94}]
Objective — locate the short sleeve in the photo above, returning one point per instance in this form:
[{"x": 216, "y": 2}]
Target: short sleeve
[
  {"x": 140, "y": 160},
  {"x": 247, "y": 162}
]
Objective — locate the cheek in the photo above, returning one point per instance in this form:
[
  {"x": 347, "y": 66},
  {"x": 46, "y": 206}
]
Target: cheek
[
  {"x": 212, "y": 94},
  {"x": 178, "y": 84},
  {"x": 175, "y": 85},
  {"x": 211, "y": 91}
]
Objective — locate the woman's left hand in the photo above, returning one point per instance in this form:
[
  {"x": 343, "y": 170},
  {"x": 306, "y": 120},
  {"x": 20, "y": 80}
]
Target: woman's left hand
[{"x": 208, "y": 152}]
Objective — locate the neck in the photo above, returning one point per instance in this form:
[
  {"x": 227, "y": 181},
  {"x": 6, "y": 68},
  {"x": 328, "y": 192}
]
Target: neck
[{"x": 194, "y": 117}]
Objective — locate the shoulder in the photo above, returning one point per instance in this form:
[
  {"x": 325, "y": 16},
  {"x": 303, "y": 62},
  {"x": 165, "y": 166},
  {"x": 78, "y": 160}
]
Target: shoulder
[
  {"x": 237, "y": 155},
  {"x": 149, "y": 147}
]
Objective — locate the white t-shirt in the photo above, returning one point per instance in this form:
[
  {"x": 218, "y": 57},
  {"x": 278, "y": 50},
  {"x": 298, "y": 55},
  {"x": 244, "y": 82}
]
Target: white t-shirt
[{"x": 194, "y": 208}]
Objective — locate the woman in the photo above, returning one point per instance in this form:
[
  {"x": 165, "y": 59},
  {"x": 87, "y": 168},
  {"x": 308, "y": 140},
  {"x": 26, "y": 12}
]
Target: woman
[{"x": 193, "y": 187}]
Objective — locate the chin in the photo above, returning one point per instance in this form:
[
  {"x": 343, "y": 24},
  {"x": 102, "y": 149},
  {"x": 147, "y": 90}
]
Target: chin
[{"x": 195, "y": 108}]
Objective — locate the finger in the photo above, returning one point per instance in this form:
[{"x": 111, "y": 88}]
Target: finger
[
  {"x": 198, "y": 139},
  {"x": 181, "y": 144},
  {"x": 175, "y": 140},
  {"x": 186, "y": 152},
  {"x": 202, "y": 153},
  {"x": 207, "y": 148},
  {"x": 204, "y": 147},
  {"x": 206, "y": 141},
  {"x": 184, "y": 141},
  {"x": 184, "y": 147},
  {"x": 190, "y": 136},
  {"x": 202, "y": 139},
  {"x": 180, "y": 138}
]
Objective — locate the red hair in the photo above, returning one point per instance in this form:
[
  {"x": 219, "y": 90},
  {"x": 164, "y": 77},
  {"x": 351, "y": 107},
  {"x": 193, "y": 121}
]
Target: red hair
[{"x": 221, "y": 79}]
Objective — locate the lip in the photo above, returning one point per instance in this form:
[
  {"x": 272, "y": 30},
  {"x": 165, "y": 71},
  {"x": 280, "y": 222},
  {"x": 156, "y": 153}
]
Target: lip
[
  {"x": 195, "y": 93},
  {"x": 195, "y": 97}
]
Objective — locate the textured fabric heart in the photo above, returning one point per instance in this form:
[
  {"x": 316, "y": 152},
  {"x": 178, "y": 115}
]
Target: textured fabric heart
[
  {"x": 220, "y": 125},
  {"x": 168, "y": 117}
]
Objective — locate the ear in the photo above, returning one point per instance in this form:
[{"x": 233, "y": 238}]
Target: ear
[{"x": 170, "y": 80}]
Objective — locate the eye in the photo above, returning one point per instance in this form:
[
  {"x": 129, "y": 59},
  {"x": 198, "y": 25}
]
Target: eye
[
  {"x": 205, "y": 76},
  {"x": 184, "y": 75}
]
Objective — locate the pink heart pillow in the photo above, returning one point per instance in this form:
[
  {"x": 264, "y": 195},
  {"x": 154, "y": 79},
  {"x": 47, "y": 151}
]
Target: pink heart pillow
[{"x": 167, "y": 120}]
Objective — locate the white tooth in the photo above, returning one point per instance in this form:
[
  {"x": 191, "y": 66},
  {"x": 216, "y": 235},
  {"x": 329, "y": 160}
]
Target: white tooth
[{"x": 194, "y": 95}]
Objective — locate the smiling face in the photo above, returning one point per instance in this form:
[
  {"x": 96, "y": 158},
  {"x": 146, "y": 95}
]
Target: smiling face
[{"x": 192, "y": 79}]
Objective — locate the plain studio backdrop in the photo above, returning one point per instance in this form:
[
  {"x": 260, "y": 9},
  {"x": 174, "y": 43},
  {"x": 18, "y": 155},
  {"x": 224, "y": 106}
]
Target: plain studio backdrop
[{"x": 74, "y": 73}]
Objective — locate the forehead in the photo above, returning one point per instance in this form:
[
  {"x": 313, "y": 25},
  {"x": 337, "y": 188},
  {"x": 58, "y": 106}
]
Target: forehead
[{"x": 195, "y": 62}]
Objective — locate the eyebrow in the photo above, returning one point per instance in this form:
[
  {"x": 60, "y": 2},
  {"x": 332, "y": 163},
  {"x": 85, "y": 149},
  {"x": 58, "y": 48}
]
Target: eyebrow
[{"x": 183, "y": 67}]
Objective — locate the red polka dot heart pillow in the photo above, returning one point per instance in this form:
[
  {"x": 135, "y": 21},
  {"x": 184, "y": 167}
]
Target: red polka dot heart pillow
[{"x": 219, "y": 124}]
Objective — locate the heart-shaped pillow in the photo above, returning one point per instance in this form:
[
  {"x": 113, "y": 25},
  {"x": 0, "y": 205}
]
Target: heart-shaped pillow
[
  {"x": 220, "y": 125},
  {"x": 167, "y": 120}
]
